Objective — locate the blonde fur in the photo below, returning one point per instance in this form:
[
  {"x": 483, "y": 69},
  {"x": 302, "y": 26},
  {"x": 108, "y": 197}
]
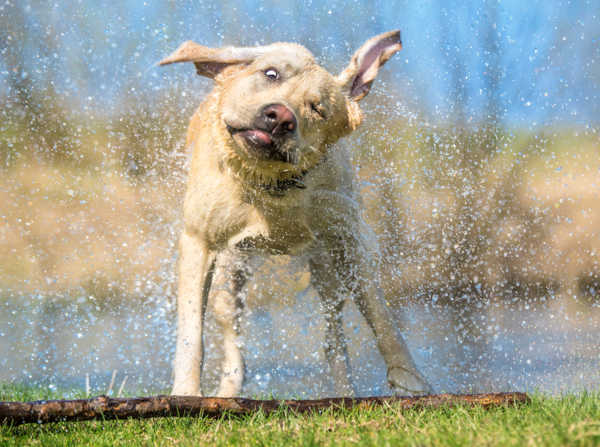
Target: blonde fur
[{"x": 241, "y": 205}]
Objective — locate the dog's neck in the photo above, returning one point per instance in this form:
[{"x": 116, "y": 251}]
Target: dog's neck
[
  {"x": 281, "y": 187},
  {"x": 258, "y": 181},
  {"x": 273, "y": 181}
]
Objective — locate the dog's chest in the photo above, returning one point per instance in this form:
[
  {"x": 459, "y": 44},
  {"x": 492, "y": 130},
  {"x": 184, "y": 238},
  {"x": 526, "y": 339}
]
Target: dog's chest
[{"x": 282, "y": 222}]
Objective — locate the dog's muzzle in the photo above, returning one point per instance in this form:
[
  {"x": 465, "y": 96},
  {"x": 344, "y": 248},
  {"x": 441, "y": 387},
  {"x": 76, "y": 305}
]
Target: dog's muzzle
[{"x": 273, "y": 126}]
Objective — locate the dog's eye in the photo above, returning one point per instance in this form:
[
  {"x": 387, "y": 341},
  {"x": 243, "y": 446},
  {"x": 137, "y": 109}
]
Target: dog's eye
[
  {"x": 272, "y": 74},
  {"x": 318, "y": 109}
]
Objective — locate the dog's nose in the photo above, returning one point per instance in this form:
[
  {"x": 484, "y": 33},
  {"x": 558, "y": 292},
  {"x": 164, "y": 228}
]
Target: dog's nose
[{"x": 279, "y": 120}]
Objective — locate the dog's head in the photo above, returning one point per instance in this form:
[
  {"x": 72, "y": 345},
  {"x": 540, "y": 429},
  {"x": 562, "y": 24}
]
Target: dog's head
[{"x": 279, "y": 109}]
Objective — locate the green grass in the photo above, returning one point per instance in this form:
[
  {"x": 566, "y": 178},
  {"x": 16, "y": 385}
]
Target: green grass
[{"x": 566, "y": 420}]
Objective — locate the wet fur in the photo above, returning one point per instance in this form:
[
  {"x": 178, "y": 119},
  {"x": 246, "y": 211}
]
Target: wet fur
[{"x": 234, "y": 212}]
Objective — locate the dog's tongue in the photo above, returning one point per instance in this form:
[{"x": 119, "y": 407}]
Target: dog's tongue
[{"x": 258, "y": 137}]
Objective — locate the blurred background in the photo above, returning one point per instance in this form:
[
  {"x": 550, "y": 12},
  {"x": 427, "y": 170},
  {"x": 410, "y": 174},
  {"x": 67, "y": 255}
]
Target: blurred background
[{"x": 479, "y": 166}]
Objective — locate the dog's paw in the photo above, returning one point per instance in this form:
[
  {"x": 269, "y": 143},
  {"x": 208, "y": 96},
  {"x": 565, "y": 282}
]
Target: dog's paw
[
  {"x": 183, "y": 390},
  {"x": 406, "y": 382},
  {"x": 229, "y": 387}
]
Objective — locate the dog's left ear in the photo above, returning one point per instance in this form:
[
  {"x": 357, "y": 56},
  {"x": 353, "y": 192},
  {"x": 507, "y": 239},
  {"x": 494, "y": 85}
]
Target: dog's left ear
[
  {"x": 210, "y": 62},
  {"x": 357, "y": 78}
]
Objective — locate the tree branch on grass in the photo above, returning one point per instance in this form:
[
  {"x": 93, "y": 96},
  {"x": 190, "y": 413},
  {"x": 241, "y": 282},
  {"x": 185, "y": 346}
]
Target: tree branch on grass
[{"x": 104, "y": 407}]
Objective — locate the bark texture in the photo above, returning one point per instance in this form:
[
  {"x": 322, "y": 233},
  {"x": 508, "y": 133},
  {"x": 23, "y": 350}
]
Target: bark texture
[{"x": 104, "y": 407}]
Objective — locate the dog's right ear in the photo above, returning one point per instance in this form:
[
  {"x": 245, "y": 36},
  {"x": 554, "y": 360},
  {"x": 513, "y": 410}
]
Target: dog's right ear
[{"x": 210, "y": 61}]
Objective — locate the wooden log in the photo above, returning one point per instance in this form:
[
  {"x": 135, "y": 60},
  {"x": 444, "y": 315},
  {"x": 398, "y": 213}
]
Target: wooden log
[{"x": 103, "y": 407}]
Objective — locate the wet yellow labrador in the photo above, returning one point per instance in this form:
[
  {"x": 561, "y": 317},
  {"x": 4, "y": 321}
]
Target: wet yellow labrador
[{"x": 267, "y": 179}]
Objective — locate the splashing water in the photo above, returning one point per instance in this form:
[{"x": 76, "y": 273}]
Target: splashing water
[{"x": 477, "y": 162}]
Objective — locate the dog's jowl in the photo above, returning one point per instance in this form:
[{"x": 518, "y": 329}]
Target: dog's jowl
[{"x": 267, "y": 179}]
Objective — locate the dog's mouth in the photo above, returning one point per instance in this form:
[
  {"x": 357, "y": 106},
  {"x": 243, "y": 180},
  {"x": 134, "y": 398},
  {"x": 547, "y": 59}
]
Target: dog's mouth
[
  {"x": 257, "y": 137},
  {"x": 261, "y": 144}
]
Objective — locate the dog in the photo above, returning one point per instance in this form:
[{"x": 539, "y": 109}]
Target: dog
[{"x": 266, "y": 178}]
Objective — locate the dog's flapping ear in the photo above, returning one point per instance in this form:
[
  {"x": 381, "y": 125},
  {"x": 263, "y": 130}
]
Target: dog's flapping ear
[
  {"x": 210, "y": 61},
  {"x": 360, "y": 73}
]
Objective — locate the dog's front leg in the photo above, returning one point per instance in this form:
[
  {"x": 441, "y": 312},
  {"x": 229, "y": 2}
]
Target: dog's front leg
[
  {"x": 194, "y": 281},
  {"x": 330, "y": 288},
  {"x": 403, "y": 375},
  {"x": 232, "y": 269},
  {"x": 360, "y": 272}
]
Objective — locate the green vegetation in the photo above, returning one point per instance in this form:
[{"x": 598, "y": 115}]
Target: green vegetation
[{"x": 567, "y": 420}]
